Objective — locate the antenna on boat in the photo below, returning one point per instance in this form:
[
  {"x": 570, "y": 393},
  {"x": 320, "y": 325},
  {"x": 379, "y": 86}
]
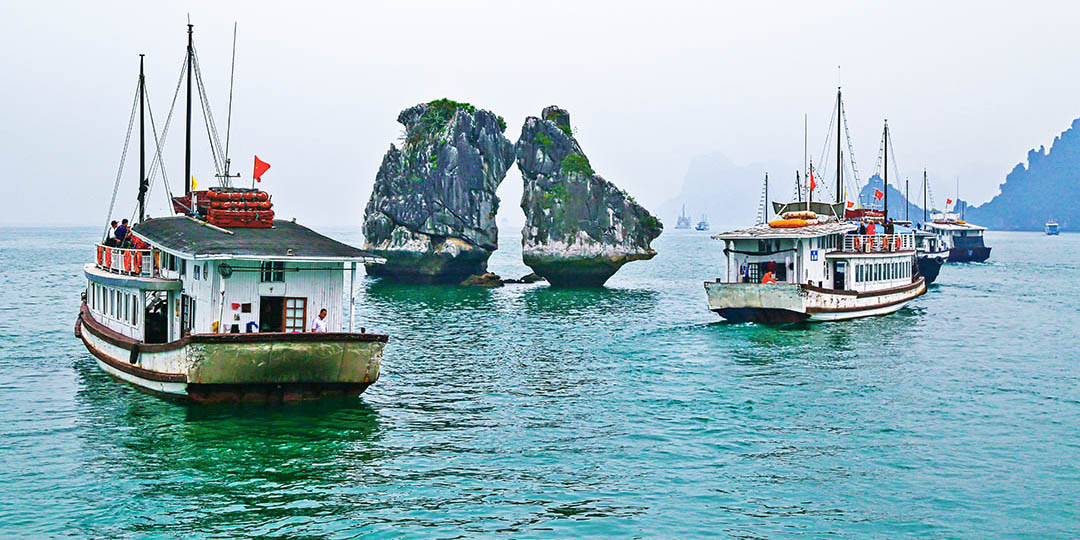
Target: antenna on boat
[
  {"x": 907, "y": 199},
  {"x": 187, "y": 135},
  {"x": 142, "y": 141}
]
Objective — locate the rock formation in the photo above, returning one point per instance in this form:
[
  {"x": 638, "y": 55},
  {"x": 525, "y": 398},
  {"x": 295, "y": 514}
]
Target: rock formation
[
  {"x": 579, "y": 228},
  {"x": 432, "y": 212}
]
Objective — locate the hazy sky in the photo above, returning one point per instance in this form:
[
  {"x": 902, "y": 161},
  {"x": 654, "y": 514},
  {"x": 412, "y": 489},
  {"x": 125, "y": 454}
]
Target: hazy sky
[{"x": 968, "y": 88}]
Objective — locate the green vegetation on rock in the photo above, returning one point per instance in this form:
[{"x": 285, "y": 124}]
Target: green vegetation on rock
[
  {"x": 566, "y": 129},
  {"x": 577, "y": 164},
  {"x": 544, "y": 140},
  {"x": 438, "y": 114}
]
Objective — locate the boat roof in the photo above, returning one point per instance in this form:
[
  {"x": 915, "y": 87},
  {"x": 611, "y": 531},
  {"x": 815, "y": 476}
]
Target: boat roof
[
  {"x": 954, "y": 226},
  {"x": 764, "y": 231},
  {"x": 286, "y": 240}
]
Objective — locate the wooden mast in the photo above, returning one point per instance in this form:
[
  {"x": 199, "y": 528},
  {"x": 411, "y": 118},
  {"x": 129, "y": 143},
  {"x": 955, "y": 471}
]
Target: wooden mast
[
  {"x": 142, "y": 142},
  {"x": 885, "y": 180},
  {"x": 187, "y": 139},
  {"x": 839, "y": 164}
]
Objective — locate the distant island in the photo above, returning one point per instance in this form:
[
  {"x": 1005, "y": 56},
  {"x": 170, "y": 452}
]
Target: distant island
[{"x": 1049, "y": 187}]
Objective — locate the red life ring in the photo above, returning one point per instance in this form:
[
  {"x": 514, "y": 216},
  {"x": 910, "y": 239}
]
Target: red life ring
[
  {"x": 108, "y": 257},
  {"x": 857, "y": 244},
  {"x": 898, "y": 242},
  {"x": 137, "y": 261},
  {"x": 99, "y": 250},
  {"x": 127, "y": 260}
]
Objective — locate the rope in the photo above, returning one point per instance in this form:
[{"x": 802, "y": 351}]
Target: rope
[
  {"x": 208, "y": 118},
  {"x": 123, "y": 158}
]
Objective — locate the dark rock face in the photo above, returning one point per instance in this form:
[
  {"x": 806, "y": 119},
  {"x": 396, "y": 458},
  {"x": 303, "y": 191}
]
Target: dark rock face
[
  {"x": 432, "y": 212},
  {"x": 1048, "y": 187},
  {"x": 579, "y": 228}
]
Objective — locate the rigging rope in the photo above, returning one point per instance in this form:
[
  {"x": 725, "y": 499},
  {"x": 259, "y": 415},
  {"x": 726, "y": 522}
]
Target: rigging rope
[
  {"x": 123, "y": 158},
  {"x": 851, "y": 155},
  {"x": 165, "y": 131},
  {"x": 208, "y": 120}
]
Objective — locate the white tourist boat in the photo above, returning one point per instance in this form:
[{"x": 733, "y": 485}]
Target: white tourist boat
[
  {"x": 813, "y": 265},
  {"x": 823, "y": 271},
  {"x": 219, "y": 302},
  {"x": 964, "y": 240}
]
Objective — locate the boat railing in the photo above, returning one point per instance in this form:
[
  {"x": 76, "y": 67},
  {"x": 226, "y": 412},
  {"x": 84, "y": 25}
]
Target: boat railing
[
  {"x": 128, "y": 261},
  {"x": 878, "y": 243}
]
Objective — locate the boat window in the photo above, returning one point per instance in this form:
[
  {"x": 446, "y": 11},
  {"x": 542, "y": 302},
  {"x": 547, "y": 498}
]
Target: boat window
[
  {"x": 183, "y": 267},
  {"x": 272, "y": 271},
  {"x": 196, "y": 272},
  {"x": 295, "y": 314}
]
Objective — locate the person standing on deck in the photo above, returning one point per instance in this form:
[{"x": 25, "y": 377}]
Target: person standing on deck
[
  {"x": 121, "y": 232},
  {"x": 318, "y": 324}
]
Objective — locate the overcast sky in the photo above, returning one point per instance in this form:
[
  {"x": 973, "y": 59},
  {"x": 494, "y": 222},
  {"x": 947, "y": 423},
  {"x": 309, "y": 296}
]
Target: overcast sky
[{"x": 968, "y": 88}]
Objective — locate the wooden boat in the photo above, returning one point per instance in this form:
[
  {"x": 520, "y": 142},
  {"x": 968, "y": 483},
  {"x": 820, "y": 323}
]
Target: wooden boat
[
  {"x": 823, "y": 272},
  {"x": 826, "y": 270},
  {"x": 186, "y": 307}
]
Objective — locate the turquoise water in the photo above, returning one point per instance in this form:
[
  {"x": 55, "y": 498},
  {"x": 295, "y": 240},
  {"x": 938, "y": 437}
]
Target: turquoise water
[{"x": 526, "y": 412}]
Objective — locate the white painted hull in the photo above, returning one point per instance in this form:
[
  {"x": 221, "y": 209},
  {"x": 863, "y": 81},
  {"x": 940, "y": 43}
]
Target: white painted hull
[{"x": 785, "y": 302}]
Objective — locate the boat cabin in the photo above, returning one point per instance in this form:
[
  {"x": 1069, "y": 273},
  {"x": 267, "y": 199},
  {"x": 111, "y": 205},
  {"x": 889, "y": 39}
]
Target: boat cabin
[
  {"x": 957, "y": 233},
  {"x": 827, "y": 255},
  {"x": 196, "y": 278}
]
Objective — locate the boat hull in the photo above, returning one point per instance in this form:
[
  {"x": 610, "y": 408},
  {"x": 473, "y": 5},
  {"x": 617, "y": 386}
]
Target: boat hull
[
  {"x": 779, "y": 303},
  {"x": 239, "y": 367},
  {"x": 930, "y": 266},
  {"x": 977, "y": 254}
]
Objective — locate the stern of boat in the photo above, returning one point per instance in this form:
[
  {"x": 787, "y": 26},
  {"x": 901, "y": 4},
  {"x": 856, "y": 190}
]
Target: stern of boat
[
  {"x": 226, "y": 367},
  {"x": 757, "y": 302}
]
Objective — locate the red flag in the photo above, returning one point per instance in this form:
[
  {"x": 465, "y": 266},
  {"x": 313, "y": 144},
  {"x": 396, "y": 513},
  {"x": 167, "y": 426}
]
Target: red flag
[
  {"x": 260, "y": 167},
  {"x": 850, "y": 204},
  {"x": 948, "y": 201},
  {"x": 813, "y": 184},
  {"x": 878, "y": 194}
]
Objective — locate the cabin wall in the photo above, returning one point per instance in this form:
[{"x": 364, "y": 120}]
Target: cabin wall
[
  {"x": 876, "y": 274},
  {"x": 320, "y": 283},
  {"x": 117, "y": 308}
]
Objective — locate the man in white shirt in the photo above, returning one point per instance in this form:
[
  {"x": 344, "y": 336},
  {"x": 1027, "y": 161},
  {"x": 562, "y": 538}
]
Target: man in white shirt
[{"x": 318, "y": 324}]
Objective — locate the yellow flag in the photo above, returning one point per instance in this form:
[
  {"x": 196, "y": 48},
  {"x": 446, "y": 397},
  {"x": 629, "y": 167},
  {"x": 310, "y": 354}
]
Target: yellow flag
[{"x": 194, "y": 184}]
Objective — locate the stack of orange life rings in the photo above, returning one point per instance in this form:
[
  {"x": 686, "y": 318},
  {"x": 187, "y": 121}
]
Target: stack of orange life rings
[{"x": 248, "y": 208}]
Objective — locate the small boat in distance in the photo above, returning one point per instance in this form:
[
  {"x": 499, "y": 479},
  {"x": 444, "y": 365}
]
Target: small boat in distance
[
  {"x": 683, "y": 221},
  {"x": 1052, "y": 228},
  {"x": 219, "y": 302},
  {"x": 702, "y": 225}
]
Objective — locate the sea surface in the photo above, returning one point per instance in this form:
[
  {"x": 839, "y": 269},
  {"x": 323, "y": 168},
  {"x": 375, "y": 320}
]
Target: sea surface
[{"x": 526, "y": 412}]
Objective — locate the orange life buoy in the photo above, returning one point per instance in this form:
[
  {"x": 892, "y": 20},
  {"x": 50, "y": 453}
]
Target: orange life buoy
[
  {"x": 898, "y": 242},
  {"x": 857, "y": 243},
  {"x": 127, "y": 260},
  {"x": 99, "y": 250},
  {"x": 108, "y": 257},
  {"x": 137, "y": 261}
]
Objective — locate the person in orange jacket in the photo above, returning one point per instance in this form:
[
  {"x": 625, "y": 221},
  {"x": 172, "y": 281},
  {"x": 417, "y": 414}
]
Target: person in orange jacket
[{"x": 768, "y": 278}]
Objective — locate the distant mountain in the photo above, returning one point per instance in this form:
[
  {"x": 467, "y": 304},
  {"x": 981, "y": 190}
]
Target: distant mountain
[
  {"x": 727, "y": 193},
  {"x": 1049, "y": 187}
]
